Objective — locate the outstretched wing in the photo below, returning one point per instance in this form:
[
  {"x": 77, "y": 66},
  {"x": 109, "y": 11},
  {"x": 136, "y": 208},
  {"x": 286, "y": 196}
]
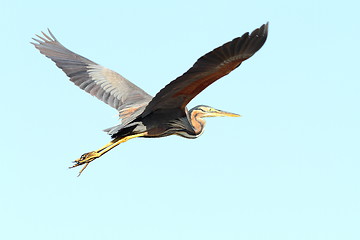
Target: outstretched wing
[
  {"x": 208, "y": 69},
  {"x": 107, "y": 85}
]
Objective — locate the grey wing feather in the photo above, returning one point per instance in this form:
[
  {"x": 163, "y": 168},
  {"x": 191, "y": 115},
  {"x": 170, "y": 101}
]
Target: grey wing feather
[
  {"x": 207, "y": 69},
  {"x": 107, "y": 85}
]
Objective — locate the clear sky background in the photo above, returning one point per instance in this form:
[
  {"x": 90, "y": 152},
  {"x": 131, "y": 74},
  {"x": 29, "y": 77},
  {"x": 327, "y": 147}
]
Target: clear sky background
[{"x": 288, "y": 169}]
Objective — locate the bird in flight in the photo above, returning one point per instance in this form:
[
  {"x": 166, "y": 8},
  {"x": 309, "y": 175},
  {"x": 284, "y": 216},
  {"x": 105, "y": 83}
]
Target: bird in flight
[{"x": 141, "y": 114}]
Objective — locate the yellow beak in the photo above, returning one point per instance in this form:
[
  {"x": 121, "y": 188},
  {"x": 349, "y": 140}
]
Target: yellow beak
[{"x": 219, "y": 113}]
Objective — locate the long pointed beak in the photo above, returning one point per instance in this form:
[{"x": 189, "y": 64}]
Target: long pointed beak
[{"x": 220, "y": 113}]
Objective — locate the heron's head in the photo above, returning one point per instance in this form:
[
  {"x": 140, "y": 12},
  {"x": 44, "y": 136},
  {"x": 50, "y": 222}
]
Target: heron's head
[{"x": 206, "y": 111}]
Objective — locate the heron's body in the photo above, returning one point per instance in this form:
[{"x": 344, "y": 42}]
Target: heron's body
[{"x": 166, "y": 113}]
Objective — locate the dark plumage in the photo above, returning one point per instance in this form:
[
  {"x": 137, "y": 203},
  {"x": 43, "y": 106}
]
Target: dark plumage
[{"x": 166, "y": 113}]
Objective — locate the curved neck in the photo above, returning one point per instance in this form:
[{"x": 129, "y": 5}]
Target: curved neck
[
  {"x": 197, "y": 122},
  {"x": 192, "y": 126}
]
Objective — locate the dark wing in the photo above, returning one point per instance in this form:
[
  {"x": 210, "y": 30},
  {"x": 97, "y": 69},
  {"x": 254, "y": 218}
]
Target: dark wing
[
  {"x": 107, "y": 85},
  {"x": 208, "y": 69}
]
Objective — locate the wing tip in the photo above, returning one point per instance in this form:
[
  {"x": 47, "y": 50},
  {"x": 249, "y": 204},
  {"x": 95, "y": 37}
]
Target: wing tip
[
  {"x": 261, "y": 31},
  {"x": 45, "y": 38},
  {"x": 265, "y": 28}
]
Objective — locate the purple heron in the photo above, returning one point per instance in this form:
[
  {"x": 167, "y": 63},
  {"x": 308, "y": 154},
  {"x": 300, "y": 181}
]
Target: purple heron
[{"x": 143, "y": 115}]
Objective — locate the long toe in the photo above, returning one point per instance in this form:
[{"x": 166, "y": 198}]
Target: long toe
[{"x": 86, "y": 158}]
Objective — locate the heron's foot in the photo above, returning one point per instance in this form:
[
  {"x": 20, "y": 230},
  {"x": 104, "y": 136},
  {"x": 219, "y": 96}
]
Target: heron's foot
[{"x": 86, "y": 158}]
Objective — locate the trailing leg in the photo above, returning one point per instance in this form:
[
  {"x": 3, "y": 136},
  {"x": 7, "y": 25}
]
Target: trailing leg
[{"x": 87, "y": 158}]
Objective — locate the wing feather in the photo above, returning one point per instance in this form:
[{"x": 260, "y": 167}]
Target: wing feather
[
  {"x": 107, "y": 85},
  {"x": 207, "y": 69}
]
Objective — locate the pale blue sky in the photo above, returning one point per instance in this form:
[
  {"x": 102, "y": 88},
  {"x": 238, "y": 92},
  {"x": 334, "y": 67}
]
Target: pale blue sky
[{"x": 288, "y": 169}]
